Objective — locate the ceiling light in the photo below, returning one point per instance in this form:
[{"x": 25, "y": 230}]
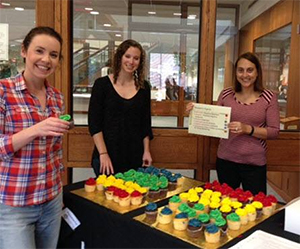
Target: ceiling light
[
  {"x": 19, "y": 9},
  {"x": 176, "y": 14},
  {"x": 106, "y": 25},
  {"x": 192, "y": 17},
  {"x": 118, "y": 35},
  {"x": 5, "y": 4},
  {"x": 94, "y": 13},
  {"x": 151, "y": 12},
  {"x": 88, "y": 8}
]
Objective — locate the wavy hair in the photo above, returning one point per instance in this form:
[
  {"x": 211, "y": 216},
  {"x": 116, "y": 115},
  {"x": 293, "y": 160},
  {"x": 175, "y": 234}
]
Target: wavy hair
[
  {"x": 258, "y": 84},
  {"x": 139, "y": 76}
]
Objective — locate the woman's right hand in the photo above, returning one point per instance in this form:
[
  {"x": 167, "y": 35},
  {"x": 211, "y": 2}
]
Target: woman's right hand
[
  {"x": 51, "y": 127},
  {"x": 189, "y": 107},
  {"x": 106, "y": 166}
]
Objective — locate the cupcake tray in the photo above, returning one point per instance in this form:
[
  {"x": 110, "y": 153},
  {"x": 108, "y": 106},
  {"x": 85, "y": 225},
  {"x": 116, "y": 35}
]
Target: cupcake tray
[
  {"x": 200, "y": 242},
  {"x": 99, "y": 198}
]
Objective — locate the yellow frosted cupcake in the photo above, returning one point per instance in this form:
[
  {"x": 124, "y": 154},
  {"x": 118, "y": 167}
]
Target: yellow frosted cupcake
[
  {"x": 184, "y": 197},
  {"x": 243, "y": 215},
  {"x": 251, "y": 210}
]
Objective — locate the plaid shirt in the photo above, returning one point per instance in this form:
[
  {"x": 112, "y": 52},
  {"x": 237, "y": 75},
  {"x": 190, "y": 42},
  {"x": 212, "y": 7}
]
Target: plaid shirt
[{"x": 30, "y": 175}]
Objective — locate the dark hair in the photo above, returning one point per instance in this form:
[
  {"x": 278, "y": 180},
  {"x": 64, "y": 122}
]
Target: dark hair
[
  {"x": 258, "y": 84},
  {"x": 41, "y": 30},
  {"x": 121, "y": 50}
]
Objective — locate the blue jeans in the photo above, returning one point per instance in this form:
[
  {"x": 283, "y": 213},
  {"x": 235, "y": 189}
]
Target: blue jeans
[{"x": 30, "y": 227}]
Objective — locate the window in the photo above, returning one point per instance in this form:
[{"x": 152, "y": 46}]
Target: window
[
  {"x": 16, "y": 19},
  {"x": 274, "y": 53},
  {"x": 169, "y": 33}
]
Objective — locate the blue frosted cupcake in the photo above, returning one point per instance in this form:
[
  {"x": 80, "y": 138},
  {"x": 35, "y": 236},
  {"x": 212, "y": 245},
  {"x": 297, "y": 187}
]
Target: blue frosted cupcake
[{"x": 194, "y": 228}]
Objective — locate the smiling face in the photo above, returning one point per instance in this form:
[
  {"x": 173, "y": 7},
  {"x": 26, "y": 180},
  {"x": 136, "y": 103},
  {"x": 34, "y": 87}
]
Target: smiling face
[
  {"x": 246, "y": 73},
  {"x": 42, "y": 57},
  {"x": 131, "y": 60}
]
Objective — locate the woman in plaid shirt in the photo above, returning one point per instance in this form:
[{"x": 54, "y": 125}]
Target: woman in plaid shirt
[{"x": 31, "y": 147}]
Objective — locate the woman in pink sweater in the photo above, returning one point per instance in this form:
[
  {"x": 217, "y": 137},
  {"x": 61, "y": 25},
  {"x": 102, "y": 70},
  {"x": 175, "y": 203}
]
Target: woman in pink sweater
[{"x": 241, "y": 159}]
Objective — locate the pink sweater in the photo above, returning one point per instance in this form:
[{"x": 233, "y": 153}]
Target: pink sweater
[{"x": 263, "y": 113}]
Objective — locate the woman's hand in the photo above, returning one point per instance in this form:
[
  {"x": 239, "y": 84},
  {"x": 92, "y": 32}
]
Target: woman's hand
[
  {"x": 51, "y": 127},
  {"x": 189, "y": 107},
  {"x": 147, "y": 159},
  {"x": 239, "y": 128},
  {"x": 106, "y": 166}
]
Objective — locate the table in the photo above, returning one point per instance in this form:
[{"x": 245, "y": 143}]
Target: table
[{"x": 104, "y": 228}]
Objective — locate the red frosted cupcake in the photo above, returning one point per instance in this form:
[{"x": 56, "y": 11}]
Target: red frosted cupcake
[
  {"x": 267, "y": 207},
  {"x": 136, "y": 198},
  {"x": 90, "y": 185}
]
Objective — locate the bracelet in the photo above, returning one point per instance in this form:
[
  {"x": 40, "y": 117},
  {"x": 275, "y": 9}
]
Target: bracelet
[
  {"x": 103, "y": 153},
  {"x": 252, "y": 130}
]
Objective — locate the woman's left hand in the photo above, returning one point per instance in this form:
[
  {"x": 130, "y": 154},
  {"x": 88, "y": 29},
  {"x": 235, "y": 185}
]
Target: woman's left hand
[
  {"x": 147, "y": 159},
  {"x": 239, "y": 128}
]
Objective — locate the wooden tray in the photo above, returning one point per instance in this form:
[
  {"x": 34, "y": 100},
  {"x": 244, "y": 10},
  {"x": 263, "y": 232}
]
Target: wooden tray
[
  {"x": 200, "y": 242},
  {"x": 100, "y": 199}
]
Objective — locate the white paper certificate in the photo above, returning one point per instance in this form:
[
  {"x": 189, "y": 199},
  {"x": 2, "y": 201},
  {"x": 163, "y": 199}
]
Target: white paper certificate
[{"x": 210, "y": 120}]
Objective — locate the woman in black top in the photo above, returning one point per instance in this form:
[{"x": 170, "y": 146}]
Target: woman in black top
[{"x": 119, "y": 114}]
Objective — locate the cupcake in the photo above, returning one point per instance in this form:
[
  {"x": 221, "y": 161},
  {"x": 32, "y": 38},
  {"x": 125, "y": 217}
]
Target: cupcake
[
  {"x": 90, "y": 185},
  {"x": 172, "y": 184},
  {"x": 214, "y": 205},
  {"x": 225, "y": 210},
  {"x": 191, "y": 213},
  {"x": 204, "y": 218},
  {"x": 153, "y": 193},
  {"x": 233, "y": 196},
  {"x": 124, "y": 198},
  {"x": 109, "y": 192},
  {"x": 180, "y": 180},
  {"x": 100, "y": 183},
  {"x": 151, "y": 212},
  {"x": 183, "y": 207},
  {"x": 163, "y": 186},
  {"x": 258, "y": 206},
  {"x": 180, "y": 221},
  {"x": 199, "y": 208},
  {"x": 136, "y": 198},
  {"x": 243, "y": 199},
  {"x": 165, "y": 216},
  {"x": 251, "y": 210},
  {"x": 214, "y": 214},
  {"x": 267, "y": 207},
  {"x": 184, "y": 197},
  {"x": 194, "y": 228},
  {"x": 222, "y": 225},
  {"x": 193, "y": 199},
  {"x": 274, "y": 201},
  {"x": 212, "y": 234},
  {"x": 236, "y": 204},
  {"x": 233, "y": 221},
  {"x": 174, "y": 202},
  {"x": 205, "y": 202},
  {"x": 243, "y": 215}
]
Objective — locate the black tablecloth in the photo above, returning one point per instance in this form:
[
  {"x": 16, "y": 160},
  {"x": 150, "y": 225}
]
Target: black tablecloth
[{"x": 103, "y": 228}]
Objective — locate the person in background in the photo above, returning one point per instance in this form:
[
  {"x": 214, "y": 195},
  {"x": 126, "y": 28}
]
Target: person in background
[
  {"x": 119, "y": 115},
  {"x": 241, "y": 159},
  {"x": 31, "y": 147}
]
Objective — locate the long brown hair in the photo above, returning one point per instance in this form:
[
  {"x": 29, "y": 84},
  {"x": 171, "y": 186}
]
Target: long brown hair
[
  {"x": 258, "y": 84},
  {"x": 139, "y": 76}
]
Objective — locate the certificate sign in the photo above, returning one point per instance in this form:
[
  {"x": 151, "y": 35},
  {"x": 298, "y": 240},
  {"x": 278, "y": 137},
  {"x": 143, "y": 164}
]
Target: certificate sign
[{"x": 210, "y": 120}]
